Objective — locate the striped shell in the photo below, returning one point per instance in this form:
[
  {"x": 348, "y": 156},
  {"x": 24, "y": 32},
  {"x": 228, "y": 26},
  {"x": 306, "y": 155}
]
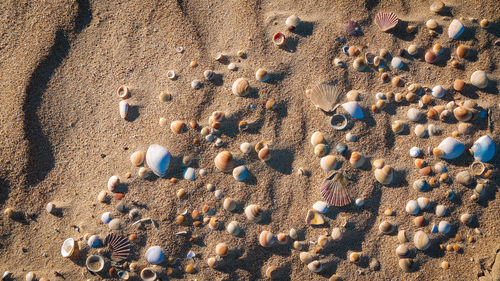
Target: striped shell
[
  {"x": 120, "y": 246},
  {"x": 386, "y": 21},
  {"x": 333, "y": 189},
  {"x": 253, "y": 212},
  {"x": 325, "y": 96}
]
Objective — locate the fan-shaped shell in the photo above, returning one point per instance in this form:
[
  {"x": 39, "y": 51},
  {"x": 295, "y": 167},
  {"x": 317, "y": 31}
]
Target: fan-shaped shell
[
  {"x": 155, "y": 255},
  {"x": 386, "y": 21},
  {"x": 449, "y": 148},
  {"x": 334, "y": 191},
  {"x": 253, "y": 212},
  {"x": 224, "y": 161},
  {"x": 483, "y": 149},
  {"x": 353, "y": 109},
  {"x": 455, "y": 29},
  {"x": 120, "y": 246},
  {"x": 325, "y": 96},
  {"x": 158, "y": 159}
]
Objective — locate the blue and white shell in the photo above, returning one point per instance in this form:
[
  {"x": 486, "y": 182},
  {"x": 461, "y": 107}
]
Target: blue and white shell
[
  {"x": 483, "y": 149},
  {"x": 189, "y": 174},
  {"x": 397, "y": 63},
  {"x": 444, "y": 227},
  {"x": 455, "y": 29},
  {"x": 240, "y": 173},
  {"x": 106, "y": 217},
  {"x": 320, "y": 206},
  {"x": 158, "y": 159},
  {"x": 155, "y": 255},
  {"x": 94, "y": 241},
  {"x": 451, "y": 147},
  {"x": 353, "y": 109},
  {"x": 412, "y": 207}
]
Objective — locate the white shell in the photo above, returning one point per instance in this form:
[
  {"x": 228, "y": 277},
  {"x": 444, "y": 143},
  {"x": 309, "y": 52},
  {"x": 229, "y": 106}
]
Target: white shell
[
  {"x": 240, "y": 173},
  {"x": 438, "y": 92},
  {"x": 30, "y": 276},
  {"x": 397, "y": 63},
  {"x": 440, "y": 167},
  {"x": 483, "y": 149},
  {"x": 317, "y": 138},
  {"x": 91, "y": 263},
  {"x": 158, "y": 159},
  {"x": 353, "y": 109},
  {"x": 420, "y": 131},
  {"x": 155, "y": 255},
  {"x": 328, "y": 163},
  {"x": 421, "y": 240},
  {"x": 433, "y": 130},
  {"x": 479, "y": 79},
  {"x": 415, "y": 152},
  {"x": 148, "y": 274},
  {"x": 320, "y": 206},
  {"x": 455, "y": 29},
  {"x": 123, "y": 109},
  {"x": 451, "y": 147},
  {"x": 292, "y": 22},
  {"x": 233, "y": 228},
  {"x": 440, "y": 210},
  {"x": 444, "y": 227},
  {"x": 412, "y": 207},
  {"x": 189, "y": 174},
  {"x": 246, "y": 147},
  {"x": 106, "y": 217},
  {"x": 336, "y": 234},
  {"x": 93, "y": 241},
  {"x": 423, "y": 203},
  {"x": 68, "y": 247},
  {"x": 359, "y": 202},
  {"x": 414, "y": 114}
]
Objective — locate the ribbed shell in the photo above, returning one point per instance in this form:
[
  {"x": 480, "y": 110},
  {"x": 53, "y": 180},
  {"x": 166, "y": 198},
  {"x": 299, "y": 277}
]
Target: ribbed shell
[
  {"x": 119, "y": 245},
  {"x": 386, "y": 21},
  {"x": 333, "y": 189},
  {"x": 325, "y": 96}
]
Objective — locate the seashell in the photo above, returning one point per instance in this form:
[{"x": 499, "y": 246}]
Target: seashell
[
  {"x": 455, "y": 29},
  {"x": 134, "y": 213},
  {"x": 386, "y": 21},
  {"x": 354, "y": 257},
  {"x": 353, "y": 109},
  {"x": 229, "y": 204},
  {"x": 155, "y": 255},
  {"x": 265, "y": 154},
  {"x": 338, "y": 119},
  {"x": 357, "y": 160},
  {"x": 359, "y": 202},
  {"x": 292, "y": 22},
  {"x": 402, "y": 251},
  {"x": 50, "y": 208},
  {"x": 440, "y": 210},
  {"x": 196, "y": 84},
  {"x": 378, "y": 163},
  {"x": 333, "y": 190},
  {"x": 319, "y": 150},
  {"x": 148, "y": 274},
  {"x": 307, "y": 257},
  {"x": 115, "y": 224},
  {"x": 450, "y": 195},
  {"x": 246, "y": 147},
  {"x": 449, "y": 148},
  {"x": 385, "y": 227},
  {"x": 402, "y": 236},
  {"x": 221, "y": 249},
  {"x": 444, "y": 227},
  {"x": 384, "y": 175},
  {"x": 123, "y": 109},
  {"x": 240, "y": 173},
  {"x": 323, "y": 241},
  {"x": 266, "y": 239},
  {"x": 353, "y": 51},
  {"x": 171, "y": 75},
  {"x": 352, "y": 28},
  {"x": 415, "y": 152},
  {"x": 224, "y": 161},
  {"x": 380, "y": 96},
  {"x": 177, "y": 126},
  {"x": 414, "y": 114},
  {"x": 353, "y": 95},
  {"x": 412, "y": 207},
  {"x": 464, "y": 178},
  {"x": 137, "y": 158},
  {"x": 329, "y": 163},
  {"x": 461, "y": 51},
  {"x": 483, "y": 149},
  {"x": 339, "y": 62},
  {"x": 123, "y": 92},
  {"x": 484, "y": 23},
  {"x": 412, "y": 50},
  {"x": 158, "y": 159},
  {"x": 440, "y": 167},
  {"x": 377, "y": 61},
  {"x": 430, "y": 57},
  {"x": 241, "y": 87},
  {"x": 261, "y": 75},
  {"x": 271, "y": 104},
  {"x": 437, "y": 6},
  {"x": 458, "y": 85},
  {"x": 282, "y": 238},
  {"x": 420, "y": 131},
  {"x": 405, "y": 264},
  {"x": 293, "y": 234},
  {"x": 397, "y": 63},
  {"x": 69, "y": 249},
  {"x": 314, "y": 218},
  {"x": 95, "y": 263},
  {"x": 398, "y": 126},
  {"x": 423, "y": 203},
  {"x": 421, "y": 185},
  {"x": 462, "y": 114},
  {"x": 279, "y": 39},
  {"x": 189, "y": 174},
  {"x": 466, "y": 218},
  {"x": 369, "y": 57},
  {"x": 113, "y": 183},
  {"x": 317, "y": 138},
  {"x": 350, "y": 137},
  {"x": 359, "y": 64},
  {"x": 336, "y": 234},
  {"x": 253, "y": 212},
  {"x": 445, "y": 115},
  {"x": 438, "y": 92},
  {"x": 208, "y": 74},
  {"x": 431, "y": 24},
  {"x": 341, "y": 148},
  {"x": 94, "y": 241},
  {"x": 320, "y": 206},
  {"x": 325, "y": 96},
  {"x": 315, "y": 266},
  {"x": 106, "y": 217},
  {"x": 433, "y": 130},
  {"x": 421, "y": 240}
]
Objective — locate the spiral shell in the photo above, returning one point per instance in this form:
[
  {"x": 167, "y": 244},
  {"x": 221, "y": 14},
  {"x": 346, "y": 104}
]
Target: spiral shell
[
  {"x": 241, "y": 87},
  {"x": 254, "y": 212},
  {"x": 266, "y": 239},
  {"x": 386, "y": 21},
  {"x": 224, "y": 161}
]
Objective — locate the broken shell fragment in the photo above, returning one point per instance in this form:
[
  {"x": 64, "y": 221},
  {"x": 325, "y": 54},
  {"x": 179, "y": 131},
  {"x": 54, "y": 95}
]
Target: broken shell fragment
[
  {"x": 314, "y": 218},
  {"x": 455, "y": 29},
  {"x": 353, "y": 109}
]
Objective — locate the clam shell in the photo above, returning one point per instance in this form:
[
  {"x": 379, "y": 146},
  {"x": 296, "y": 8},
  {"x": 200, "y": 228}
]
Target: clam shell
[
  {"x": 233, "y": 228},
  {"x": 292, "y": 22},
  {"x": 440, "y": 210},
  {"x": 359, "y": 64},
  {"x": 402, "y": 236},
  {"x": 155, "y": 255},
  {"x": 420, "y": 131},
  {"x": 123, "y": 109},
  {"x": 398, "y": 126},
  {"x": 384, "y": 175},
  {"x": 221, "y": 249},
  {"x": 158, "y": 159},
  {"x": 148, "y": 274},
  {"x": 421, "y": 185},
  {"x": 412, "y": 49},
  {"x": 430, "y": 57},
  {"x": 189, "y": 174},
  {"x": 378, "y": 163},
  {"x": 334, "y": 191},
  {"x": 455, "y": 29},
  {"x": 462, "y": 114},
  {"x": 444, "y": 227},
  {"x": 415, "y": 152},
  {"x": 386, "y": 21},
  {"x": 483, "y": 149},
  {"x": 113, "y": 183},
  {"x": 317, "y": 138},
  {"x": 315, "y": 266},
  {"x": 385, "y": 227},
  {"x": 405, "y": 264},
  {"x": 319, "y": 150},
  {"x": 246, "y": 147},
  {"x": 229, "y": 204},
  {"x": 412, "y": 207},
  {"x": 438, "y": 92},
  {"x": 115, "y": 224},
  {"x": 224, "y": 161},
  {"x": 353, "y": 109},
  {"x": 479, "y": 79},
  {"x": 350, "y": 137},
  {"x": 266, "y": 239},
  {"x": 423, "y": 203},
  {"x": 320, "y": 206},
  {"x": 106, "y": 217},
  {"x": 402, "y": 251},
  {"x": 69, "y": 248},
  {"x": 95, "y": 263},
  {"x": 464, "y": 178},
  {"x": 307, "y": 257},
  {"x": 329, "y": 163},
  {"x": 357, "y": 160},
  {"x": 397, "y": 63},
  {"x": 265, "y": 153},
  {"x": 421, "y": 240},
  {"x": 336, "y": 234},
  {"x": 437, "y": 6},
  {"x": 293, "y": 234},
  {"x": 240, "y": 173},
  {"x": 137, "y": 158},
  {"x": 261, "y": 75},
  {"x": 325, "y": 96},
  {"x": 241, "y": 87},
  {"x": 450, "y": 148},
  {"x": 93, "y": 241},
  {"x": 177, "y": 126},
  {"x": 253, "y": 212},
  {"x": 465, "y": 218},
  {"x": 414, "y": 114}
]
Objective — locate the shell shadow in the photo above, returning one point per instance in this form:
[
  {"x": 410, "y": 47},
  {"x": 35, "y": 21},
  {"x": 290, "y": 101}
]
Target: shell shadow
[
  {"x": 400, "y": 31},
  {"x": 304, "y": 29},
  {"x": 133, "y": 113},
  {"x": 217, "y": 80},
  {"x": 291, "y": 44},
  {"x": 469, "y": 34}
]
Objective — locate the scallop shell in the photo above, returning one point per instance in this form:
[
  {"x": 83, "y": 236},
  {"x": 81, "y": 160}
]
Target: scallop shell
[
  {"x": 95, "y": 263},
  {"x": 386, "y": 21},
  {"x": 455, "y": 29},
  {"x": 444, "y": 227},
  {"x": 292, "y": 22},
  {"x": 148, "y": 274},
  {"x": 315, "y": 266},
  {"x": 479, "y": 79},
  {"x": 69, "y": 248},
  {"x": 483, "y": 149},
  {"x": 123, "y": 109},
  {"x": 329, "y": 163},
  {"x": 155, "y": 255},
  {"x": 421, "y": 240},
  {"x": 158, "y": 159},
  {"x": 449, "y": 148},
  {"x": 414, "y": 114},
  {"x": 120, "y": 246},
  {"x": 325, "y": 96},
  {"x": 241, "y": 87},
  {"x": 353, "y": 109},
  {"x": 334, "y": 191},
  {"x": 384, "y": 175},
  {"x": 266, "y": 239},
  {"x": 253, "y": 212},
  {"x": 224, "y": 161},
  {"x": 412, "y": 207},
  {"x": 240, "y": 173}
]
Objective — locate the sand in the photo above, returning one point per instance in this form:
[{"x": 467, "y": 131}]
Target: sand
[{"x": 62, "y": 138}]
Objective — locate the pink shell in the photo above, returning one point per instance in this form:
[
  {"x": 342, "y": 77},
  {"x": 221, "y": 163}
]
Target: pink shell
[
  {"x": 333, "y": 190},
  {"x": 386, "y": 21}
]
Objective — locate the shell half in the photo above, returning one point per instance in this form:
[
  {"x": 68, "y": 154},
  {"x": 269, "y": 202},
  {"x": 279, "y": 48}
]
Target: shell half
[
  {"x": 483, "y": 149},
  {"x": 120, "y": 246},
  {"x": 325, "y": 96},
  {"x": 386, "y": 21},
  {"x": 334, "y": 191},
  {"x": 158, "y": 159}
]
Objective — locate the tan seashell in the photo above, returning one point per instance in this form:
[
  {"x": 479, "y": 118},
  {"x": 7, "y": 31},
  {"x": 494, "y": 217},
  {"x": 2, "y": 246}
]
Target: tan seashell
[
  {"x": 432, "y": 113},
  {"x": 211, "y": 261},
  {"x": 282, "y": 238},
  {"x": 384, "y": 175},
  {"x": 224, "y": 161},
  {"x": 353, "y": 95},
  {"x": 102, "y": 197},
  {"x": 307, "y": 257},
  {"x": 359, "y": 64},
  {"x": 325, "y": 96},
  {"x": 405, "y": 264},
  {"x": 437, "y": 6},
  {"x": 315, "y": 266},
  {"x": 421, "y": 240},
  {"x": 323, "y": 240},
  {"x": 177, "y": 126},
  {"x": 229, "y": 204},
  {"x": 221, "y": 249},
  {"x": 264, "y": 154},
  {"x": 445, "y": 115},
  {"x": 317, "y": 138},
  {"x": 402, "y": 251},
  {"x": 462, "y": 114},
  {"x": 266, "y": 239},
  {"x": 144, "y": 172},
  {"x": 357, "y": 160},
  {"x": 213, "y": 223},
  {"x": 402, "y": 236},
  {"x": 398, "y": 126},
  {"x": 320, "y": 150},
  {"x": 420, "y": 131},
  {"x": 137, "y": 158},
  {"x": 113, "y": 183},
  {"x": 458, "y": 85},
  {"x": 329, "y": 163},
  {"x": 123, "y": 92},
  {"x": 164, "y": 96},
  {"x": 253, "y": 212},
  {"x": 385, "y": 227},
  {"x": 261, "y": 75},
  {"x": 260, "y": 145},
  {"x": 354, "y": 257},
  {"x": 271, "y": 104},
  {"x": 431, "y": 24},
  {"x": 462, "y": 51},
  {"x": 378, "y": 163},
  {"x": 464, "y": 178},
  {"x": 241, "y": 87}
]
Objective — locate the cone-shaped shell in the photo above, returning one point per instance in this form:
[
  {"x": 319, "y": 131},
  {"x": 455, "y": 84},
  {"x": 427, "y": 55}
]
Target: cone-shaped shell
[
  {"x": 123, "y": 108},
  {"x": 155, "y": 255},
  {"x": 266, "y": 239},
  {"x": 325, "y": 96},
  {"x": 353, "y": 109},
  {"x": 386, "y": 21},
  {"x": 421, "y": 240},
  {"x": 384, "y": 175},
  {"x": 483, "y": 149},
  {"x": 455, "y": 29},
  {"x": 334, "y": 191},
  {"x": 241, "y": 87},
  {"x": 479, "y": 79},
  {"x": 253, "y": 212},
  {"x": 158, "y": 159},
  {"x": 224, "y": 161},
  {"x": 449, "y": 148}
]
